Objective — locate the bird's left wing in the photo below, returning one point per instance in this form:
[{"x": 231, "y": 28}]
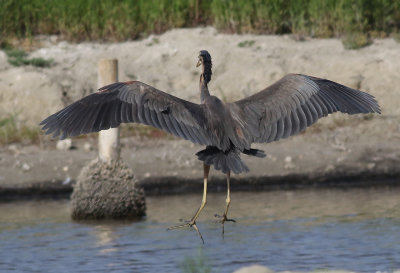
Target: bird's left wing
[
  {"x": 295, "y": 102},
  {"x": 124, "y": 102}
]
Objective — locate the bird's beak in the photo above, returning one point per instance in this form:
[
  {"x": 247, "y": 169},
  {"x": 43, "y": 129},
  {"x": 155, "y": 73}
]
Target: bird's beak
[{"x": 198, "y": 63}]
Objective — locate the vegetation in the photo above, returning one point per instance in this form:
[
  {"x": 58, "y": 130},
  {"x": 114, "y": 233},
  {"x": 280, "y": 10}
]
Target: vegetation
[
  {"x": 197, "y": 264},
  {"x": 128, "y": 19},
  {"x": 18, "y": 57},
  {"x": 13, "y": 131},
  {"x": 356, "y": 40},
  {"x": 246, "y": 43}
]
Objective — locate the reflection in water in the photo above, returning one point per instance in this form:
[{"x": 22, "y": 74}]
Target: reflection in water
[
  {"x": 106, "y": 232},
  {"x": 105, "y": 236},
  {"x": 354, "y": 229}
]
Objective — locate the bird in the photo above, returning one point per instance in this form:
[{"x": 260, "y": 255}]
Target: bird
[{"x": 227, "y": 129}]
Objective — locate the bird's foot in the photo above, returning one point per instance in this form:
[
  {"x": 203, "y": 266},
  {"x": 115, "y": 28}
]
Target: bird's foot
[
  {"x": 222, "y": 220},
  {"x": 191, "y": 223}
]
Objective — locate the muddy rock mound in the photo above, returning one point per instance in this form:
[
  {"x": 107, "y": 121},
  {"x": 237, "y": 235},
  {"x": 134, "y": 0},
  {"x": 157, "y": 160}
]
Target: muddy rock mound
[{"x": 107, "y": 191}]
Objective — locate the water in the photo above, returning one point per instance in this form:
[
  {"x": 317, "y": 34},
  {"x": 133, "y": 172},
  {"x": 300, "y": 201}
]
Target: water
[{"x": 303, "y": 230}]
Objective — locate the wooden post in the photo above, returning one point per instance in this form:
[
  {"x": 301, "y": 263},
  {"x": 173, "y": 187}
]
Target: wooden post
[{"x": 109, "y": 147}]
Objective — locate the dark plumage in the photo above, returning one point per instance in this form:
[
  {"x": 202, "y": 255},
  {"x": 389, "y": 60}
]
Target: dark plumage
[
  {"x": 227, "y": 129},
  {"x": 279, "y": 111}
]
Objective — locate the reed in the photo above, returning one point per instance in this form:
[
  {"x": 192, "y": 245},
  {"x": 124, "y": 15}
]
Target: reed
[{"x": 114, "y": 20}]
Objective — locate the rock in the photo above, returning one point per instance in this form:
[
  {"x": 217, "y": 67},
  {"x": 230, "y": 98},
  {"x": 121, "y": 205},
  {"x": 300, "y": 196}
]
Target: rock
[
  {"x": 288, "y": 159},
  {"x": 87, "y": 146},
  {"x": 67, "y": 181},
  {"x": 107, "y": 190},
  {"x": 26, "y": 167},
  {"x": 254, "y": 269},
  {"x": 65, "y": 144},
  {"x": 289, "y": 163}
]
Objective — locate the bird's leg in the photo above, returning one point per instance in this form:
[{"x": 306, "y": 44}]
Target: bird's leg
[
  {"x": 192, "y": 222},
  {"x": 224, "y": 218}
]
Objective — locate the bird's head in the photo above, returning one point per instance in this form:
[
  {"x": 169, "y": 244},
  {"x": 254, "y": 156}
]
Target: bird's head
[{"x": 204, "y": 58}]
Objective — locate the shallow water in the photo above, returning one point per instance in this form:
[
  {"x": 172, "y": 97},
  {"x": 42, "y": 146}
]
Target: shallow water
[{"x": 304, "y": 230}]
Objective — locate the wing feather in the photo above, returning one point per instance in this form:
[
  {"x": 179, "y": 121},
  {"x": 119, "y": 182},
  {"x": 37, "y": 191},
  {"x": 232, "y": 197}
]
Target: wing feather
[
  {"x": 177, "y": 128},
  {"x": 308, "y": 114},
  {"x": 288, "y": 125},
  {"x": 295, "y": 102},
  {"x": 170, "y": 126},
  {"x": 161, "y": 121},
  {"x": 295, "y": 122},
  {"x": 124, "y": 102},
  {"x": 272, "y": 134},
  {"x": 302, "y": 118},
  {"x": 117, "y": 114},
  {"x": 89, "y": 114}
]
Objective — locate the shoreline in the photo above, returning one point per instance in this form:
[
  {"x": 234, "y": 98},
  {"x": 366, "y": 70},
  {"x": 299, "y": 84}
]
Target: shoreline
[
  {"x": 52, "y": 173},
  {"x": 161, "y": 186}
]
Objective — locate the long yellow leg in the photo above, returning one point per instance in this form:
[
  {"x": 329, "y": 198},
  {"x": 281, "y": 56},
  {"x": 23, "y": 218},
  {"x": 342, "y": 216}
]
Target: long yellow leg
[
  {"x": 228, "y": 192},
  {"x": 224, "y": 218},
  {"x": 192, "y": 222}
]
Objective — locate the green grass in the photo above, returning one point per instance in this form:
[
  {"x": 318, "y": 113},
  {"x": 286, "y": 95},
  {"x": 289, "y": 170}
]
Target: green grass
[
  {"x": 246, "y": 43},
  {"x": 11, "y": 130},
  {"x": 18, "y": 57},
  {"x": 114, "y": 20},
  {"x": 92, "y": 19},
  {"x": 356, "y": 40}
]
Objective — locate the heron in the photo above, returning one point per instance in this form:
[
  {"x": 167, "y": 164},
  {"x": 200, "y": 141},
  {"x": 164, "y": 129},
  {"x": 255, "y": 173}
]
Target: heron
[{"x": 285, "y": 108}]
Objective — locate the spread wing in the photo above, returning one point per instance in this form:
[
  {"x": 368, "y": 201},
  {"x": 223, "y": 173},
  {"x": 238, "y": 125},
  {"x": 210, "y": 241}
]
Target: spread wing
[
  {"x": 295, "y": 102},
  {"x": 123, "y": 102}
]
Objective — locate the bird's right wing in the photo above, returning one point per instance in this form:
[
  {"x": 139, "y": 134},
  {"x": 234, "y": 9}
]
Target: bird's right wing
[
  {"x": 124, "y": 102},
  {"x": 295, "y": 102}
]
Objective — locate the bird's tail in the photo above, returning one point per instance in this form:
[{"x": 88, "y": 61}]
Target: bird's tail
[{"x": 223, "y": 161}]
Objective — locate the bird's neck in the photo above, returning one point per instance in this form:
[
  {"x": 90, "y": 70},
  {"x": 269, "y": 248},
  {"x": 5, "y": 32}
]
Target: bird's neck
[
  {"x": 204, "y": 93},
  {"x": 205, "y": 78}
]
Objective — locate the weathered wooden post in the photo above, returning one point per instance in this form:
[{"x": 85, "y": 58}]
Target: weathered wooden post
[
  {"x": 106, "y": 188},
  {"x": 109, "y": 148}
]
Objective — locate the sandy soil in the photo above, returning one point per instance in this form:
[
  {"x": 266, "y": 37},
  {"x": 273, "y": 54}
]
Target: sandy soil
[{"x": 337, "y": 146}]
